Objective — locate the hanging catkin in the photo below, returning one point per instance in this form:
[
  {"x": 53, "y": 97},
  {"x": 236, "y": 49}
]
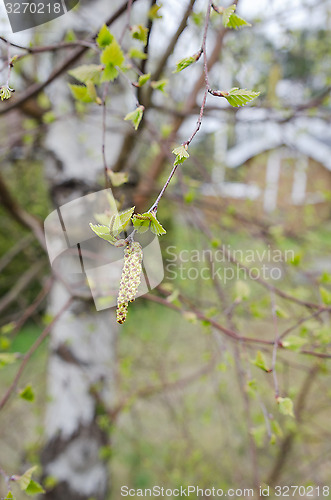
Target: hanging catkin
[{"x": 130, "y": 280}]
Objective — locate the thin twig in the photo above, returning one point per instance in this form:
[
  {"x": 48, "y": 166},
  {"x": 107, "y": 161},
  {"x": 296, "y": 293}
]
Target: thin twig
[
  {"x": 276, "y": 343},
  {"x": 154, "y": 207},
  {"x": 205, "y": 69},
  {"x": 104, "y": 126}
]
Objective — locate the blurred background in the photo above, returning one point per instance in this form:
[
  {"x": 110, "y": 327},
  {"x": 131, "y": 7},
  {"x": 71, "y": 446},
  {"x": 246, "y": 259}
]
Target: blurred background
[{"x": 191, "y": 390}]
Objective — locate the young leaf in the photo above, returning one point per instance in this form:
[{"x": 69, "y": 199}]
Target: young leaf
[
  {"x": 276, "y": 428},
  {"x": 160, "y": 85},
  {"x": 143, "y": 79},
  {"x": 25, "y": 479},
  {"x": 135, "y": 53},
  {"x": 294, "y": 342},
  {"x": 135, "y": 116},
  {"x": 120, "y": 221},
  {"x": 181, "y": 155},
  {"x": 259, "y": 434},
  {"x": 104, "y": 37},
  {"x": 109, "y": 73},
  {"x": 153, "y": 12},
  {"x": 260, "y": 362},
  {"x": 285, "y": 406},
  {"x": 87, "y": 72},
  {"x": 7, "y": 358},
  {"x": 27, "y": 393},
  {"x": 9, "y": 496},
  {"x": 103, "y": 232},
  {"x": 142, "y": 222},
  {"x": 91, "y": 90},
  {"x": 281, "y": 313},
  {"x": 80, "y": 92},
  {"x": 48, "y": 117},
  {"x": 240, "y": 97},
  {"x": 236, "y": 22},
  {"x": 187, "y": 61},
  {"x": 139, "y": 32},
  {"x": 227, "y": 13},
  {"x": 231, "y": 20},
  {"x": 156, "y": 227},
  {"x": 117, "y": 178},
  {"x": 34, "y": 488},
  {"x": 191, "y": 317},
  {"x": 242, "y": 290},
  {"x": 112, "y": 55},
  {"x": 7, "y": 328},
  {"x": 325, "y": 295}
]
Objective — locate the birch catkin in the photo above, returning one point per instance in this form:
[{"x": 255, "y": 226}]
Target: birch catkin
[{"x": 130, "y": 280}]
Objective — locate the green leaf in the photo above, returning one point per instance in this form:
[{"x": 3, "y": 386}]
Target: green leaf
[
  {"x": 112, "y": 55},
  {"x": 325, "y": 278},
  {"x": 135, "y": 116},
  {"x": 7, "y": 358},
  {"x": 227, "y": 13},
  {"x": 48, "y": 117},
  {"x": 153, "y": 12},
  {"x": 34, "y": 488},
  {"x": 296, "y": 259},
  {"x": 142, "y": 222},
  {"x": 141, "y": 225},
  {"x": 70, "y": 36},
  {"x": 91, "y": 90},
  {"x": 285, "y": 406},
  {"x": 240, "y": 97},
  {"x": 27, "y": 393},
  {"x": 143, "y": 79},
  {"x": 242, "y": 290},
  {"x": 251, "y": 388},
  {"x": 181, "y": 154},
  {"x": 120, "y": 221},
  {"x": 187, "y": 61},
  {"x": 7, "y": 328},
  {"x": 9, "y": 496},
  {"x": 135, "y": 53},
  {"x": 109, "y": 73},
  {"x": 104, "y": 37},
  {"x": 260, "y": 362},
  {"x": 259, "y": 434},
  {"x": 294, "y": 342},
  {"x": 191, "y": 317},
  {"x": 159, "y": 85},
  {"x": 237, "y": 22},
  {"x": 118, "y": 178},
  {"x": 80, "y": 93},
  {"x": 25, "y": 479},
  {"x": 281, "y": 313},
  {"x": 325, "y": 295},
  {"x": 190, "y": 196},
  {"x": 231, "y": 20},
  {"x": 273, "y": 439},
  {"x": 139, "y": 32},
  {"x": 276, "y": 428},
  {"x": 156, "y": 227},
  {"x": 87, "y": 72},
  {"x": 103, "y": 232}
]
